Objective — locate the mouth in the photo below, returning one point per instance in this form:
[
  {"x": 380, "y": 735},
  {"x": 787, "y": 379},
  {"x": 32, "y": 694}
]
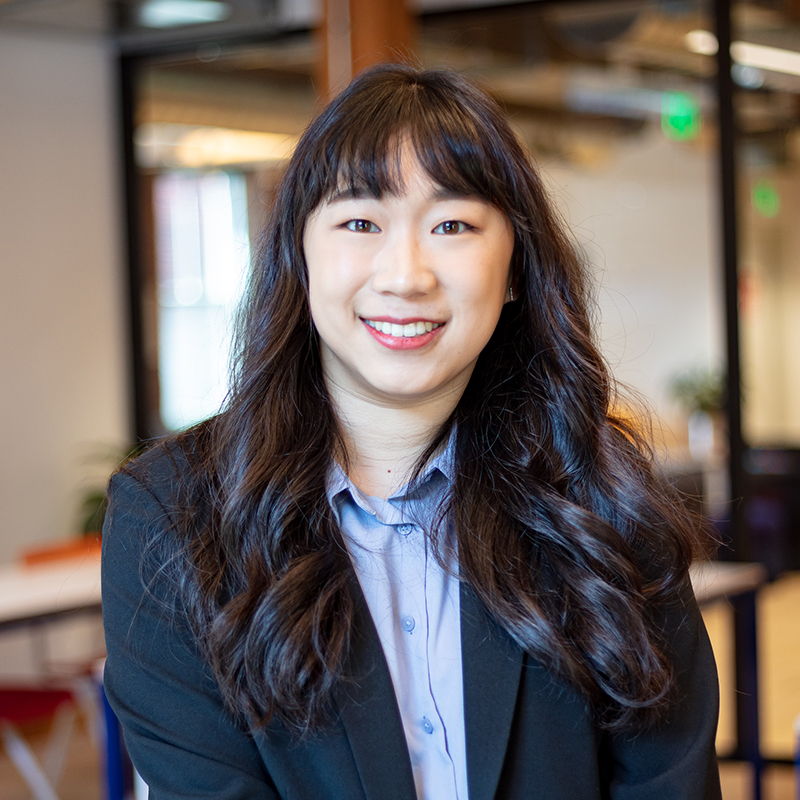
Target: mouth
[{"x": 408, "y": 330}]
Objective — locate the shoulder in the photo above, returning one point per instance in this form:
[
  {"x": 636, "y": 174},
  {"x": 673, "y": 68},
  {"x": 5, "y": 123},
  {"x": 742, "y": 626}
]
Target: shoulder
[
  {"x": 152, "y": 500},
  {"x": 165, "y": 462},
  {"x": 162, "y": 475}
]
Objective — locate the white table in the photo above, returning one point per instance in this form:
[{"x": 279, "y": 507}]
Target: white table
[
  {"x": 713, "y": 580},
  {"x": 30, "y": 594}
]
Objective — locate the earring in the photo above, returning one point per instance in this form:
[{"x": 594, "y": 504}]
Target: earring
[{"x": 511, "y": 293}]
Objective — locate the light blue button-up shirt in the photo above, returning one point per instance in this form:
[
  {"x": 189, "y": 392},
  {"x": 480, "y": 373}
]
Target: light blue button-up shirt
[{"x": 415, "y": 607}]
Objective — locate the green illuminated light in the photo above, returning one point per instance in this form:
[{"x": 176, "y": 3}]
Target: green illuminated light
[
  {"x": 680, "y": 116},
  {"x": 765, "y": 199}
]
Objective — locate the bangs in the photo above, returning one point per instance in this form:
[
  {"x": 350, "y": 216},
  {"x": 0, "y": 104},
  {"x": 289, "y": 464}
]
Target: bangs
[
  {"x": 373, "y": 165},
  {"x": 457, "y": 138}
]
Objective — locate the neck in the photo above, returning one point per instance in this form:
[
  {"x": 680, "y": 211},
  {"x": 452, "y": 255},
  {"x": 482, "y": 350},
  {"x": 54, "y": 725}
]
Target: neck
[{"x": 384, "y": 443}]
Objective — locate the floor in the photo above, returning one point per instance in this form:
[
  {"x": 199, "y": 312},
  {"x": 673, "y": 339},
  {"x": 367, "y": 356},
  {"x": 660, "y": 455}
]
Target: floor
[
  {"x": 81, "y": 777},
  {"x": 779, "y": 631},
  {"x": 779, "y": 664}
]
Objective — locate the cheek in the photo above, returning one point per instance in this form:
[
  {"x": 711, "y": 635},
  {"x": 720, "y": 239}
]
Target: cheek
[
  {"x": 330, "y": 291},
  {"x": 489, "y": 284},
  {"x": 332, "y": 300},
  {"x": 321, "y": 264},
  {"x": 319, "y": 300},
  {"x": 487, "y": 293},
  {"x": 334, "y": 270}
]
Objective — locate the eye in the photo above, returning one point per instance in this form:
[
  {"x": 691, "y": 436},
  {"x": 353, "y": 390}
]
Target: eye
[
  {"x": 452, "y": 226},
  {"x": 362, "y": 226}
]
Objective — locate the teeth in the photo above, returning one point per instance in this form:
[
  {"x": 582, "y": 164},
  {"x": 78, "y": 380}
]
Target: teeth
[{"x": 408, "y": 331}]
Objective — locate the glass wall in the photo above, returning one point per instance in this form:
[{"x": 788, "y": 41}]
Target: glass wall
[
  {"x": 212, "y": 129},
  {"x": 767, "y": 52},
  {"x": 203, "y": 255}
]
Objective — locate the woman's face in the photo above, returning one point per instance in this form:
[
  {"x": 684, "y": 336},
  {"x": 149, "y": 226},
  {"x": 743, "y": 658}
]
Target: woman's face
[{"x": 406, "y": 290}]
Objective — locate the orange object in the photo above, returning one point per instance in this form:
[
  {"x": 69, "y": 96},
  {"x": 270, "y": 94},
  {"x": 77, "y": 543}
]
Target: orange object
[{"x": 59, "y": 550}]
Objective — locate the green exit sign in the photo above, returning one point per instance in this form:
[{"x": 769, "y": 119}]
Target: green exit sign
[
  {"x": 765, "y": 199},
  {"x": 680, "y": 116}
]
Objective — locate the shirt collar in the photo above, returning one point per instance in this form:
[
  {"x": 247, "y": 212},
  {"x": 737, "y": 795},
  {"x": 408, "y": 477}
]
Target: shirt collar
[{"x": 337, "y": 480}]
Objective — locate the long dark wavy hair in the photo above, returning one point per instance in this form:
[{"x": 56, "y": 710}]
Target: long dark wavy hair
[{"x": 563, "y": 530}]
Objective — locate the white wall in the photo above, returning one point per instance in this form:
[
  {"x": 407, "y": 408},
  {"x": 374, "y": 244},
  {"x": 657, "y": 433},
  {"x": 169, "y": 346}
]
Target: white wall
[
  {"x": 645, "y": 216},
  {"x": 62, "y": 323}
]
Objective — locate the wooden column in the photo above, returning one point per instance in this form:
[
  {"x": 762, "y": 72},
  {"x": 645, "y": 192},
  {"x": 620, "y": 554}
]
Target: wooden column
[{"x": 354, "y": 34}]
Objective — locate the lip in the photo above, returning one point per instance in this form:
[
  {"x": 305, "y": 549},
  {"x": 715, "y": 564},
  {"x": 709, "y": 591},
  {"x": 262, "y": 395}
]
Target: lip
[{"x": 401, "y": 342}]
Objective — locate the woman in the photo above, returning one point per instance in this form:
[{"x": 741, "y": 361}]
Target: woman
[{"x": 416, "y": 555}]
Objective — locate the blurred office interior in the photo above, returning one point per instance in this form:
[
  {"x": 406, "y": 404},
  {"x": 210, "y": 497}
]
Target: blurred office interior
[{"x": 140, "y": 141}]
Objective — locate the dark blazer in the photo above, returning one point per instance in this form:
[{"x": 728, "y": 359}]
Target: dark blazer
[{"x": 528, "y": 734}]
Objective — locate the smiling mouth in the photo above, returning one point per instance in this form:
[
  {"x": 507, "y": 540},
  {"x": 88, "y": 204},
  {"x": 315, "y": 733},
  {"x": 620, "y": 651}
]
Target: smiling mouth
[{"x": 408, "y": 331}]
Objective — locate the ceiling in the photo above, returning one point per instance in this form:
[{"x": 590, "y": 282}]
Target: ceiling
[{"x": 602, "y": 63}]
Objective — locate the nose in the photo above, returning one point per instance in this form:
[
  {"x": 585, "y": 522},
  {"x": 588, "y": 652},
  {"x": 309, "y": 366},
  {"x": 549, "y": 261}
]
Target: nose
[{"x": 403, "y": 267}]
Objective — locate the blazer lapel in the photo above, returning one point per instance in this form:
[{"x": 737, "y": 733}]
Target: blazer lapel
[
  {"x": 368, "y": 710},
  {"x": 492, "y": 666}
]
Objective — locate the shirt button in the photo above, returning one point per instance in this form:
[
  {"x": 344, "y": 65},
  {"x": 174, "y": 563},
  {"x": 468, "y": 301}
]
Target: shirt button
[
  {"x": 404, "y": 529},
  {"x": 426, "y": 725},
  {"x": 408, "y": 624}
]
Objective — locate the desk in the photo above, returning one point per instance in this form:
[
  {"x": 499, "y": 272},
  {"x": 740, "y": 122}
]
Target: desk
[
  {"x": 713, "y": 580},
  {"x": 30, "y": 598},
  {"x": 738, "y": 583},
  {"x": 43, "y": 592}
]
